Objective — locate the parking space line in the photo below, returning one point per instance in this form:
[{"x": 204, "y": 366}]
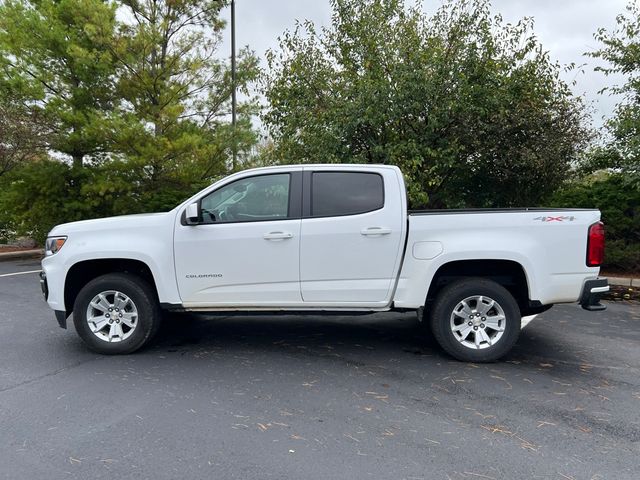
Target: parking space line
[
  {"x": 19, "y": 273},
  {"x": 527, "y": 320}
]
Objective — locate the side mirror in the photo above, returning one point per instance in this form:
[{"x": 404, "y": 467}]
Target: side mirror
[{"x": 192, "y": 214}]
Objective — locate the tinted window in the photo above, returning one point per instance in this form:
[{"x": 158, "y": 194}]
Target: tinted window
[
  {"x": 264, "y": 197},
  {"x": 345, "y": 193}
]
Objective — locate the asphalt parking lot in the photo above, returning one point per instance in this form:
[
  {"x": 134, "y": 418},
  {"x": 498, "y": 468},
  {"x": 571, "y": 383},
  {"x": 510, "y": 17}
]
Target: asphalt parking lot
[{"x": 316, "y": 398}]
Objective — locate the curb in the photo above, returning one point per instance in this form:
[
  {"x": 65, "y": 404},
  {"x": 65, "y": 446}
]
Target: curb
[
  {"x": 19, "y": 255},
  {"x": 624, "y": 282}
]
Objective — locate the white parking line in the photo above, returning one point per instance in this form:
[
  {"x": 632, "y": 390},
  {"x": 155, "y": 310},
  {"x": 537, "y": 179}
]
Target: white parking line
[
  {"x": 19, "y": 273},
  {"x": 527, "y": 320}
]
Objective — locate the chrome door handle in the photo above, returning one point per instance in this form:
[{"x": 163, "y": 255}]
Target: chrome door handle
[
  {"x": 375, "y": 231},
  {"x": 277, "y": 235}
]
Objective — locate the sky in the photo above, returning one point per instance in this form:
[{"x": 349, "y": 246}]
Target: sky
[{"x": 564, "y": 27}]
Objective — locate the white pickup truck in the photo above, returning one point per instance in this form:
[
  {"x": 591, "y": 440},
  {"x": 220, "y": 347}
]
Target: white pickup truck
[{"x": 318, "y": 238}]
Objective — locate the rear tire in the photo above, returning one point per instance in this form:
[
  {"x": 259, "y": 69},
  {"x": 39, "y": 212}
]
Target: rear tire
[
  {"x": 475, "y": 320},
  {"x": 117, "y": 313}
]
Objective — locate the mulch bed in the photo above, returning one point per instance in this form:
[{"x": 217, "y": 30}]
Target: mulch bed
[
  {"x": 11, "y": 248},
  {"x": 620, "y": 293}
]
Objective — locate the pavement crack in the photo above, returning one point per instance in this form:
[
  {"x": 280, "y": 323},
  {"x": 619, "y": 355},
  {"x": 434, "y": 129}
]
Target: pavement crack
[{"x": 46, "y": 375}]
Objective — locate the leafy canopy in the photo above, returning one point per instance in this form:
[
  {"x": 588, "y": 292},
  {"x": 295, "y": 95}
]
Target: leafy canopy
[
  {"x": 472, "y": 110},
  {"x": 134, "y": 91},
  {"x": 172, "y": 122},
  {"x": 55, "y": 62},
  {"x": 621, "y": 50}
]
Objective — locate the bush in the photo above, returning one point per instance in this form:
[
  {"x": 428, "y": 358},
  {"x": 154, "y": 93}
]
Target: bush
[
  {"x": 619, "y": 203},
  {"x": 37, "y": 196}
]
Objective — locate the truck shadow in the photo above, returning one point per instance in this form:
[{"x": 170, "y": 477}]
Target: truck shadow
[
  {"x": 392, "y": 331},
  {"x": 392, "y": 352},
  {"x": 388, "y": 334}
]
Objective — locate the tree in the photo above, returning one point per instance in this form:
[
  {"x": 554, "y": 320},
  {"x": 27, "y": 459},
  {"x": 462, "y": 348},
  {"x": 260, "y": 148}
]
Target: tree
[
  {"x": 173, "y": 127},
  {"x": 55, "y": 60},
  {"x": 141, "y": 97},
  {"x": 473, "y": 111},
  {"x": 621, "y": 50},
  {"x": 23, "y": 136}
]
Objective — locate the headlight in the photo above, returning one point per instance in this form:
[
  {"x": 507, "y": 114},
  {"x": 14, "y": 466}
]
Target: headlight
[{"x": 54, "y": 244}]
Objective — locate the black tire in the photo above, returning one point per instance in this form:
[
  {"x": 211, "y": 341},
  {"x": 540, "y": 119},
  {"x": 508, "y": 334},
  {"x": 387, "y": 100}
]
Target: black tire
[
  {"x": 451, "y": 296},
  {"x": 146, "y": 303}
]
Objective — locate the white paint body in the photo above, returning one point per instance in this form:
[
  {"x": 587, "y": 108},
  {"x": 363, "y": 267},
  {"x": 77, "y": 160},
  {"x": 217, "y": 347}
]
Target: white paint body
[{"x": 330, "y": 263}]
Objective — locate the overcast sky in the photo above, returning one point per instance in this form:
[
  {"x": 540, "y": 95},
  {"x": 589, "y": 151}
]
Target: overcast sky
[{"x": 564, "y": 27}]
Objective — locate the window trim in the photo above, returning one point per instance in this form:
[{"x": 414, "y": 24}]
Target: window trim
[
  {"x": 308, "y": 194},
  {"x": 294, "y": 206}
]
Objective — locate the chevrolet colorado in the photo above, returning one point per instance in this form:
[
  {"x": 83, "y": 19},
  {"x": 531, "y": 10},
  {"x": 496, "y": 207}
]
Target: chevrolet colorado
[{"x": 317, "y": 238}]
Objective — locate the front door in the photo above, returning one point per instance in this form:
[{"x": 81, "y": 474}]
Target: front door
[{"x": 245, "y": 251}]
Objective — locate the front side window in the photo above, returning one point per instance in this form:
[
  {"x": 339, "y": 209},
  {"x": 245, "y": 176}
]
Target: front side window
[
  {"x": 264, "y": 197},
  {"x": 345, "y": 193}
]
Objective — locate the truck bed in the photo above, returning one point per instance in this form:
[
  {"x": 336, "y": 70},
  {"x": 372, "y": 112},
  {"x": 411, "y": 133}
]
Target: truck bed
[
  {"x": 549, "y": 243},
  {"x": 453, "y": 211}
]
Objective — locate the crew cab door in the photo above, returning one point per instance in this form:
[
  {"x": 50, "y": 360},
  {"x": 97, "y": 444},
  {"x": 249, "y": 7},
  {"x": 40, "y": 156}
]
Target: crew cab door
[
  {"x": 245, "y": 249},
  {"x": 352, "y": 232}
]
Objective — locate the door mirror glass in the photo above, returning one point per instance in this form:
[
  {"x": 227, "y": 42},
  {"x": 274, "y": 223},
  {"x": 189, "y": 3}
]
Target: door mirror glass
[{"x": 192, "y": 213}]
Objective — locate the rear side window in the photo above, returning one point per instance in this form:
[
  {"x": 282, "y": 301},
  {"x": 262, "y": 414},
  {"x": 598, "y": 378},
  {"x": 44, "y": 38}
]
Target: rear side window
[{"x": 345, "y": 193}]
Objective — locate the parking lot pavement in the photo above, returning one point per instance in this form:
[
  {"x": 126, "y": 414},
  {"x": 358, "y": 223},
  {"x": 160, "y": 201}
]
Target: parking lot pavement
[{"x": 316, "y": 397}]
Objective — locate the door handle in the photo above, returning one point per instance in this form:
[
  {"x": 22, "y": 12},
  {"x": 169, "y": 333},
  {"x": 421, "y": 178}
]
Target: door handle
[
  {"x": 375, "y": 231},
  {"x": 277, "y": 235}
]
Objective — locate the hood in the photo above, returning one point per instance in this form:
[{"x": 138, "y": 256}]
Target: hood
[{"x": 110, "y": 223}]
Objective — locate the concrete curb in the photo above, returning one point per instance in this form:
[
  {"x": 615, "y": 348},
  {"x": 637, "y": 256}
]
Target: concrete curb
[
  {"x": 624, "y": 282},
  {"x": 22, "y": 254}
]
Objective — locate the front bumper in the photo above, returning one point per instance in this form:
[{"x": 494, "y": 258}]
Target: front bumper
[
  {"x": 592, "y": 292},
  {"x": 61, "y": 316},
  {"x": 44, "y": 286}
]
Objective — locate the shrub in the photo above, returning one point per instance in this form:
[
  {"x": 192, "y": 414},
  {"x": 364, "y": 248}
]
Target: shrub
[
  {"x": 37, "y": 196},
  {"x": 619, "y": 202}
]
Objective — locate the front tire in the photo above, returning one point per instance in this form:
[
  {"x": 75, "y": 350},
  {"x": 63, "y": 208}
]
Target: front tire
[
  {"x": 116, "y": 313},
  {"x": 475, "y": 320}
]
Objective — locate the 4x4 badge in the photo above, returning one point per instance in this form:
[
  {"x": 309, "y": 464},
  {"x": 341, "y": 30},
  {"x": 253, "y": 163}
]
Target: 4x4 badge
[{"x": 555, "y": 219}]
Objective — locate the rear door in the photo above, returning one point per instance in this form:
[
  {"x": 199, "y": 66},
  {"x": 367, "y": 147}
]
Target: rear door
[{"x": 351, "y": 235}]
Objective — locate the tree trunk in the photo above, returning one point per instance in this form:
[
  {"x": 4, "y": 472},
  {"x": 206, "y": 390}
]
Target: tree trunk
[{"x": 77, "y": 160}]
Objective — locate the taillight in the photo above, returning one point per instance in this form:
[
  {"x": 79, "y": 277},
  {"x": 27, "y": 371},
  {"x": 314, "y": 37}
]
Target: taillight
[{"x": 595, "y": 245}]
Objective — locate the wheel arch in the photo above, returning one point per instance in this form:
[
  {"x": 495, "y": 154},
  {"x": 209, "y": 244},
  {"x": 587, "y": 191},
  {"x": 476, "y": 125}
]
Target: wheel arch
[
  {"x": 508, "y": 273},
  {"x": 80, "y": 273}
]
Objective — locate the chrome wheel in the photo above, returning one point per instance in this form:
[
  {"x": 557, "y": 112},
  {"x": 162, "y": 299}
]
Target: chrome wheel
[
  {"x": 112, "y": 316},
  {"x": 478, "y": 322}
]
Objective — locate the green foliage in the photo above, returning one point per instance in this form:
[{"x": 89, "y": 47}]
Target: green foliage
[
  {"x": 55, "y": 60},
  {"x": 176, "y": 92},
  {"x": 139, "y": 101},
  {"x": 23, "y": 136},
  {"x": 38, "y": 195},
  {"x": 621, "y": 50},
  {"x": 472, "y": 110},
  {"x": 620, "y": 207},
  {"x": 611, "y": 170}
]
